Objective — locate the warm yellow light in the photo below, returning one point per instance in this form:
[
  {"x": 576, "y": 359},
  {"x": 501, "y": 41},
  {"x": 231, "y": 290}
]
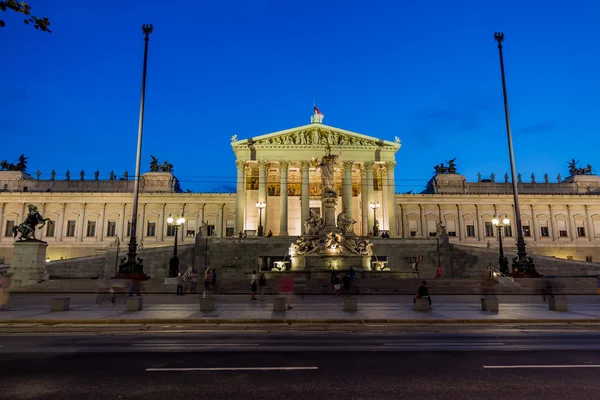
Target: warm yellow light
[
  {"x": 170, "y": 220},
  {"x": 261, "y": 205},
  {"x": 375, "y": 205},
  {"x": 180, "y": 221},
  {"x": 47, "y": 260},
  {"x": 506, "y": 221},
  {"x": 495, "y": 221}
]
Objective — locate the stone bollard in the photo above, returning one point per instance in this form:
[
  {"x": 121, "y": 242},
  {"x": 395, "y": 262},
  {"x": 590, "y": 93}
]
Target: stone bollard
[
  {"x": 350, "y": 304},
  {"x": 207, "y": 304},
  {"x": 279, "y": 304},
  {"x": 421, "y": 304},
  {"x": 60, "y": 304},
  {"x": 558, "y": 303},
  {"x": 134, "y": 304},
  {"x": 489, "y": 304}
]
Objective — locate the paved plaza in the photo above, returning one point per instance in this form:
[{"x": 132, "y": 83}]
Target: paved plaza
[{"x": 307, "y": 309}]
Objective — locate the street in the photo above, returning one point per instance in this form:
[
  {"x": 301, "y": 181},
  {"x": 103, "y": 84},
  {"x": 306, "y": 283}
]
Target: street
[{"x": 360, "y": 363}]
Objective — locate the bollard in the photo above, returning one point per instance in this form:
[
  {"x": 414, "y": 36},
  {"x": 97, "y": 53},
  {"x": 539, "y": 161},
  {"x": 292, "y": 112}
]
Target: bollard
[
  {"x": 207, "y": 304},
  {"x": 558, "y": 303},
  {"x": 134, "y": 304},
  {"x": 279, "y": 304},
  {"x": 350, "y": 304},
  {"x": 489, "y": 304},
  {"x": 60, "y": 304},
  {"x": 421, "y": 304}
]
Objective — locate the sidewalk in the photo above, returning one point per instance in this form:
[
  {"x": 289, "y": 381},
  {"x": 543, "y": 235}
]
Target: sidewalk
[{"x": 317, "y": 309}]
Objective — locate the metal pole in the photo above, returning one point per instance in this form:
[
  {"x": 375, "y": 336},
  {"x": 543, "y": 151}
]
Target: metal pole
[
  {"x": 500, "y": 243},
  {"x": 131, "y": 255},
  {"x": 175, "y": 247},
  {"x": 260, "y": 227},
  {"x": 521, "y": 263}
]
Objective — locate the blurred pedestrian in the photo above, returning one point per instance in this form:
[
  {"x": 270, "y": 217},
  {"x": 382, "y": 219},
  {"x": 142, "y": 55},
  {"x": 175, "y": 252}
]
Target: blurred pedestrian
[
  {"x": 103, "y": 290},
  {"x": 194, "y": 281},
  {"x": 286, "y": 287},
  {"x": 179, "y": 284},
  {"x": 4, "y": 292},
  {"x": 347, "y": 282},
  {"x": 214, "y": 278},
  {"x": 134, "y": 287},
  {"x": 207, "y": 279},
  {"x": 490, "y": 270},
  {"x": 438, "y": 272},
  {"x": 262, "y": 283},
  {"x": 253, "y": 284}
]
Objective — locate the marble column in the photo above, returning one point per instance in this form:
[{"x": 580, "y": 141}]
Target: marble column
[
  {"x": 183, "y": 228},
  {"x": 479, "y": 224},
  {"x": 535, "y": 227},
  {"x": 60, "y": 224},
  {"x": 283, "y": 198},
  {"x": 391, "y": 184},
  {"x": 553, "y": 224},
  {"x": 370, "y": 194},
  {"x": 364, "y": 201},
  {"x": 220, "y": 227},
  {"x": 121, "y": 229},
  {"x": 572, "y": 227},
  {"x": 460, "y": 227},
  {"x": 347, "y": 189},
  {"x": 385, "y": 202},
  {"x": 305, "y": 195},
  {"x": 240, "y": 203},
  {"x": 100, "y": 232},
  {"x": 24, "y": 213},
  {"x": 160, "y": 234},
  {"x": 2, "y": 227},
  {"x": 591, "y": 234},
  {"x": 81, "y": 225},
  {"x": 404, "y": 219},
  {"x": 200, "y": 218},
  {"x": 42, "y": 232},
  {"x": 423, "y": 221},
  {"x": 262, "y": 191}
]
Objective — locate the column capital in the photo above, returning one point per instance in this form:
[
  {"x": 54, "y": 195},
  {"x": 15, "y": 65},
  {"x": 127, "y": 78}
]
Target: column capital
[
  {"x": 263, "y": 164},
  {"x": 284, "y": 165},
  {"x": 384, "y": 172},
  {"x": 362, "y": 169},
  {"x": 369, "y": 165},
  {"x": 222, "y": 206},
  {"x": 348, "y": 165},
  {"x": 305, "y": 164},
  {"x": 240, "y": 164},
  {"x": 390, "y": 164}
]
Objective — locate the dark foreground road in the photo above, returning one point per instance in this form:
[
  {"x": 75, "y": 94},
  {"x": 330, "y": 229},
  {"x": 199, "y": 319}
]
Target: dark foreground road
[{"x": 301, "y": 365}]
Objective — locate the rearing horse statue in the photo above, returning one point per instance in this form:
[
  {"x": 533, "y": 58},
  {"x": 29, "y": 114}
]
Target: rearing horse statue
[{"x": 27, "y": 228}]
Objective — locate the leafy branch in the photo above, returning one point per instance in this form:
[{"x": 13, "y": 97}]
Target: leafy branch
[{"x": 25, "y": 9}]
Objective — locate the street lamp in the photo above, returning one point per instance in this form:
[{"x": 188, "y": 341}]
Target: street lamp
[
  {"x": 501, "y": 223},
  {"x": 521, "y": 264},
  {"x": 132, "y": 265},
  {"x": 260, "y": 205},
  {"x": 375, "y": 206},
  {"x": 174, "y": 261}
]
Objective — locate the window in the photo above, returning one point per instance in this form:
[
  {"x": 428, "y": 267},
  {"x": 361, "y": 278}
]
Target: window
[
  {"x": 50, "y": 228},
  {"x": 128, "y": 228},
  {"x": 526, "y": 231},
  {"x": 544, "y": 231},
  {"x": 151, "y": 229},
  {"x": 562, "y": 228},
  {"x": 489, "y": 229},
  {"x": 451, "y": 228},
  {"x": 91, "y": 229},
  {"x": 413, "y": 228},
  {"x": 588, "y": 258},
  {"x": 190, "y": 233},
  {"x": 580, "y": 231},
  {"x": 70, "y": 228},
  {"x": 111, "y": 228},
  {"x": 211, "y": 230},
  {"x": 508, "y": 231},
  {"x": 432, "y": 234},
  {"x": 9, "y": 227},
  {"x": 170, "y": 230},
  {"x": 452, "y": 234},
  {"x": 413, "y": 233},
  {"x": 229, "y": 228},
  {"x": 470, "y": 230}
]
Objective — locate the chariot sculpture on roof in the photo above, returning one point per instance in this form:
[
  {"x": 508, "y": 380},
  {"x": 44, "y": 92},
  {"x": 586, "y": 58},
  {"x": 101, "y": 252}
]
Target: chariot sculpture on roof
[
  {"x": 443, "y": 169},
  {"x": 574, "y": 170}
]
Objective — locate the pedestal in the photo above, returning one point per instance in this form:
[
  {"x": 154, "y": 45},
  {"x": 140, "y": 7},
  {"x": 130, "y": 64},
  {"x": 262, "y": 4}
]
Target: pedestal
[
  {"x": 28, "y": 263},
  {"x": 558, "y": 304},
  {"x": 421, "y": 304},
  {"x": 134, "y": 304},
  {"x": 207, "y": 304},
  {"x": 279, "y": 304},
  {"x": 60, "y": 304},
  {"x": 489, "y": 304},
  {"x": 350, "y": 304},
  {"x": 329, "y": 201}
]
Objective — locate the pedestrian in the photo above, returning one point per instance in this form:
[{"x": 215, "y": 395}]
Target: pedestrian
[
  {"x": 352, "y": 274},
  {"x": 286, "y": 287},
  {"x": 194, "y": 281},
  {"x": 179, "y": 284},
  {"x": 423, "y": 293},
  {"x": 253, "y": 284},
  {"x": 335, "y": 281},
  {"x": 262, "y": 283},
  {"x": 347, "y": 282},
  {"x": 490, "y": 270},
  {"x": 4, "y": 292},
  {"x": 134, "y": 287},
  {"x": 207, "y": 279},
  {"x": 438, "y": 272},
  {"x": 269, "y": 234},
  {"x": 103, "y": 290},
  {"x": 214, "y": 278}
]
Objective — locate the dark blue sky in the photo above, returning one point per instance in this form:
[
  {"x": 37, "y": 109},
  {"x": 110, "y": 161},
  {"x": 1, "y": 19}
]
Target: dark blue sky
[{"x": 426, "y": 71}]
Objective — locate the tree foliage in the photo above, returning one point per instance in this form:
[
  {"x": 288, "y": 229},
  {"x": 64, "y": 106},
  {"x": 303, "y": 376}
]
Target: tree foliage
[{"x": 25, "y": 9}]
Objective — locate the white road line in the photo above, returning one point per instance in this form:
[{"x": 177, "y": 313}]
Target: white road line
[
  {"x": 233, "y": 369},
  {"x": 540, "y": 366},
  {"x": 444, "y": 344},
  {"x": 192, "y": 344}
]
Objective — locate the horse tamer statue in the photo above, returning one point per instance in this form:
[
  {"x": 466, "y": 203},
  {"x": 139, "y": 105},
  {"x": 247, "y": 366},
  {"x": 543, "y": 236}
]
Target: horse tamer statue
[{"x": 27, "y": 228}]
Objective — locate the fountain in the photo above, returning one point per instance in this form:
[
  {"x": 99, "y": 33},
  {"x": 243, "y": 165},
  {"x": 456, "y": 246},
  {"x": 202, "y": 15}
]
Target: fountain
[{"x": 330, "y": 243}]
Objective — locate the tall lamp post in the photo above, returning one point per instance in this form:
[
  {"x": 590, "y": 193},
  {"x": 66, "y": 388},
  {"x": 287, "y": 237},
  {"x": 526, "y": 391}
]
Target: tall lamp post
[
  {"x": 501, "y": 223},
  {"x": 133, "y": 266},
  {"x": 375, "y": 206},
  {"x": 174, "y": 261},
  {"x": 522, "y": 265},
  {"x": 260, "y": 205}
]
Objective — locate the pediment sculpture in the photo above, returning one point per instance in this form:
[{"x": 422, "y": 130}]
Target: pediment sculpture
[{"x": 316, "y": 137}]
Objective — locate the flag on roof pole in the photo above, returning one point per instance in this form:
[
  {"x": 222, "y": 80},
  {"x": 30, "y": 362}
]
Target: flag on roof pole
[{"x": 319, "y": 113}]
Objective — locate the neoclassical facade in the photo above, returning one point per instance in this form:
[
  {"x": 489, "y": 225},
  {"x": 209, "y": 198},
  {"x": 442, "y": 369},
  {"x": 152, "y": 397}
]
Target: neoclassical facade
[{"x": 560, "y": 218}]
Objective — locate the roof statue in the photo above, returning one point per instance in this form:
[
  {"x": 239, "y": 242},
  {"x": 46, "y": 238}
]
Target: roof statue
[
  {"x": 574, "y": 170},
  {"x": 442, "y": 169},
  {"x": 20, "y": 166},
  {"x": 234, "y": 138},
  {"x": 154, "y": 167}
]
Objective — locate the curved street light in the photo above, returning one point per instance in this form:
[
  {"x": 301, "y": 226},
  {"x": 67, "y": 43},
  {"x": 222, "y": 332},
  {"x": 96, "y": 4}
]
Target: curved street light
[
  {"x": 501, "y": 222},
  {"x": 375, "y": 206},
  {"x": 260, "y": 205},
  {"x": 174, "y": 261}
]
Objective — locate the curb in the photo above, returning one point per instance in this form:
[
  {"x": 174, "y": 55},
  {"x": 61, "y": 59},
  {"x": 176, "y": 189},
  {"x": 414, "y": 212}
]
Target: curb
[{"x": 189, "y": 321}]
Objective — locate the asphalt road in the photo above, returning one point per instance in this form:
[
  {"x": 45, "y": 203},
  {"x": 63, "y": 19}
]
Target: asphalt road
[{"x": 490, "y": 365}]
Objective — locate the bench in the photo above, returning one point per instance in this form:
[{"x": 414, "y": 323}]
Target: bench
[
  {"x": 207, "y": 304},
  {"x": 60, "y": 304},
  {"x": 421, "y": 304},
  {"x": 489, "y": 303},
  {"x": 559, "y": 303},
  {"x": 279, "y": 304},
  {"x": 350, "y": 304},
  {"x": 134, "y": 304}
]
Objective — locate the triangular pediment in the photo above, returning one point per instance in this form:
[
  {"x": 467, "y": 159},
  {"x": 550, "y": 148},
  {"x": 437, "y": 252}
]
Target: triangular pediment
[{"x": 314, "y": 135}]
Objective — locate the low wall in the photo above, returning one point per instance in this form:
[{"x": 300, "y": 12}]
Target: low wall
[
  {"x": 156, "y": 260},
  {"x": 83, "y": 267}
]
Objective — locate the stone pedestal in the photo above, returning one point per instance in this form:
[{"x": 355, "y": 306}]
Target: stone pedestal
[
  {"x": 28, "y": 263},
  {"x": 279, "y": 304},
  {"x": 350, "y": 304},
  {"x": 489, "y": 304},
  {"x": 421, "y": 305},
  {"x": 329, "y": 202},
  {"x": 558, "y": 304},
  {"x": 207, "y": 304},
  {"x": 60, "y": 304},
  {"x": 134, "y": 304}
]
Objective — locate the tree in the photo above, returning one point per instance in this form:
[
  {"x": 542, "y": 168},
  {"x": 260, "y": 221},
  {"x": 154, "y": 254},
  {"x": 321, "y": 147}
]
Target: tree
[{"x": 24, "y": 8}]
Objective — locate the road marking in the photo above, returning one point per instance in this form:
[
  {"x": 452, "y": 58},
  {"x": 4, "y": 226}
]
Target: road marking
[
  {"x": 541, "y": 366},
  {"x": 192, "y": 344},
  {"x": 233, "y": 369},
  {"x": 444, "y": 344}
]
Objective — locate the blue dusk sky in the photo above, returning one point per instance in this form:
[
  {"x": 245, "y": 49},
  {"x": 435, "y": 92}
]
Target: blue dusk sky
[{"x": 426, "y": 71}]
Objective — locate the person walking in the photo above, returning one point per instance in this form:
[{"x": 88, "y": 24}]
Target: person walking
[
  {"x": 253, "y": 284},
  {"x": 335, "y": 281},
  {"x": 347, "y": 282},
  {"x": 214, "y": 278},
  {"x": 438, "y": 272},
  {"x": 262, "y": 283},
  {"x": 207, "y": 279},
  {"x": 179, "y": 284},
  {"x": 286, "y": 287}
]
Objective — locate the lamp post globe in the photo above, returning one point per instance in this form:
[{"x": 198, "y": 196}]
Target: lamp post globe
[
  {"x": 500, "y": 223},
  {"x": 174, "y": 261},
  {"x": 375, "y": 206},
  {"x": 260, "y": 205}
]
